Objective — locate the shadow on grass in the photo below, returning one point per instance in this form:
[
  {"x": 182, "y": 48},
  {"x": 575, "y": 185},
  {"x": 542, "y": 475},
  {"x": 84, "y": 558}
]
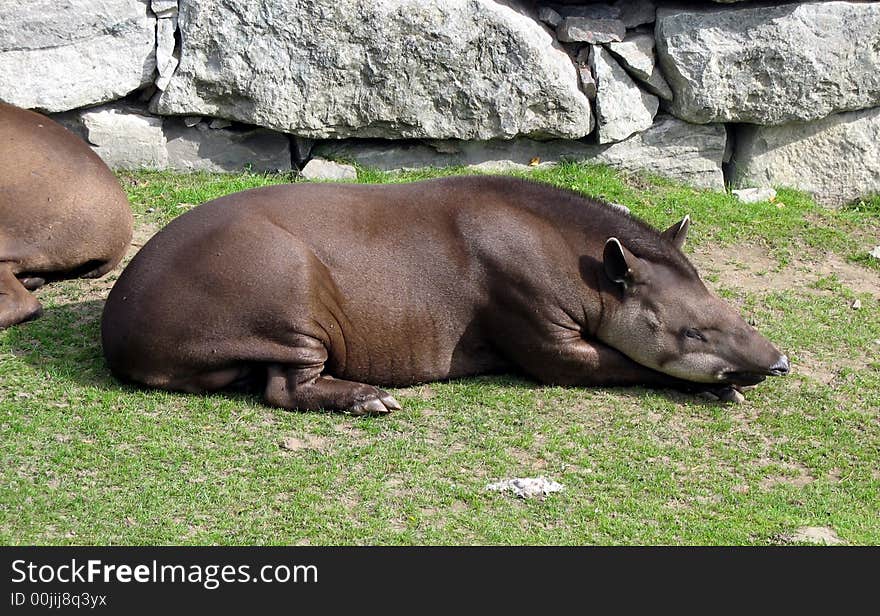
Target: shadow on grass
[
  {"x": 66, "y": 344},
  {"x": 633, "y": 393}
]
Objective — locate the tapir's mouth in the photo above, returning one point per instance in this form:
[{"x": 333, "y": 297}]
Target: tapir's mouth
[
  {"x": 743, "y": 378},
  {"x": 746, "y": 377}
]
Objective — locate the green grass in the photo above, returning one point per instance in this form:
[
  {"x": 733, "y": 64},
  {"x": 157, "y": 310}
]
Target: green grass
[{"x": 86, "y": 460}]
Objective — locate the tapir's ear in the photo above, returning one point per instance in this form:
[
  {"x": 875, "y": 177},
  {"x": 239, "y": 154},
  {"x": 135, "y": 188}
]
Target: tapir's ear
[
  {"x": 620, "y": 264},
  {"x": 677, "y": 233}
]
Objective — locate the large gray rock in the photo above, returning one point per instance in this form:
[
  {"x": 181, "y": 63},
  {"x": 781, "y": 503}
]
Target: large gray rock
[
  {"x": 167, "y": 54},
  {"x": 587, "y": 30},
  {"x": 622, "y": 108},
  {"x": 636, "y": 55},
  {"x": 770, "y": 64},
  {"x": 201, "y": 148},
  {"x": 164, "y": 8},
  {"x": 635, "y": 13},
  {"x": 127, "y": 137},
  {"x": 671, "y": 148},
  {"x": 467, "y": 69},
  {"x": 596, "y": 10},
  {"x": 56, "y": 56},
  {"x": 837, "y": 158}
]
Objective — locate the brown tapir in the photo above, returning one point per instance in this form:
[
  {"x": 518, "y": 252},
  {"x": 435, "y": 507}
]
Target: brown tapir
[
  {"x": 321, "y": 292},
  {"x": 63, "y": 214}
]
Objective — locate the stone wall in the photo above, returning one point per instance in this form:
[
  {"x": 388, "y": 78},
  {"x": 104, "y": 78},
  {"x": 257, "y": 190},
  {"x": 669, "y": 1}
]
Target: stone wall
[{"x": 708, "y": 93}]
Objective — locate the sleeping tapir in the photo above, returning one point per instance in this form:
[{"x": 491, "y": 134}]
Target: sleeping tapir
[
  {"x": 62, "y": 211},
  {"x": 319, "y": 293}
]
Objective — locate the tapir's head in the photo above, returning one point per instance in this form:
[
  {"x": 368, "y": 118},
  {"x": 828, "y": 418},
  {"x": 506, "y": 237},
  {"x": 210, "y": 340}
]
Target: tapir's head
[{"x": 666, "y": 319}]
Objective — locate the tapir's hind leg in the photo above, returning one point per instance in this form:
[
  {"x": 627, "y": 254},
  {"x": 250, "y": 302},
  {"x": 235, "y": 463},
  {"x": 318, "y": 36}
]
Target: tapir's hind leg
[
  {"x": 302, "y": 387},
  {"x": 294, "y": 389},
  {"x": 16, "y": 304}
]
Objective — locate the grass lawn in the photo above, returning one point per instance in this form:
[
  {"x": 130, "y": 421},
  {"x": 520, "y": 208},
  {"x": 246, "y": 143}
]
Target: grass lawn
[{"x": 86, "y": 460}]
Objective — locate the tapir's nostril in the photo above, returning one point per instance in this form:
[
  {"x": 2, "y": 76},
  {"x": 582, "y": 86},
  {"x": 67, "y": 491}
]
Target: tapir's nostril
[{"x": 781, "y": 367}]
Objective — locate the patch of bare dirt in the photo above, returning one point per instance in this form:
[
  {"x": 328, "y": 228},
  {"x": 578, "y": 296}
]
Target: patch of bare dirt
[
  {"x": 425, "y": 392},
  {"x": 751, "y": 268},
  {"x": 798, "y": 477},
  {"x": 351, "y": 433},
  {"x": 308, "y": 442},
  {"x": 527, "y": 461},
  {"x": 827, "y": 373}
]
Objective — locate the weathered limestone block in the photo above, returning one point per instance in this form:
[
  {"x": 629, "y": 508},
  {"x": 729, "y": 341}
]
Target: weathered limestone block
[
  {"x": 636, "y": 55},
  {"x": 127, "y": 137},
  {"x": 622, "y": 108},
  {"x": 320, "y": 169},
  {"x": 770, "y": 64},
  {"x": 56, "y": 56},
  {"x": 836, "y": 159},
  {"x": 586, "y": 30},
  {"x": 202, "y": 148},
  {"x": 466, "y": 69},
  {"x": 166, "y": 53}
]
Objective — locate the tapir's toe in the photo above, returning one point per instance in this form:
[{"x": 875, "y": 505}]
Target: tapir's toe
[
  {"x": 728, "y": 394},
  {"x": 373, "y": 406},
  {"x": 731, "y": 394},
  {"x": 389, "y": 401}
]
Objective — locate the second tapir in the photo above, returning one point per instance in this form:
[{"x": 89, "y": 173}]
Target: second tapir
[{"x": 320, "y": 294}]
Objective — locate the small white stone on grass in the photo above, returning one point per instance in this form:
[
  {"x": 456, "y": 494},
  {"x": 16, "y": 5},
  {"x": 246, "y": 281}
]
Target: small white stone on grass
[
  {"x": 754, "y": 195},
  {"x": 875, "y": 252},
  {"x": 320, "y": 169},
  {"x": 820, "y": 535},
  {"x": 527, "y": 487}
]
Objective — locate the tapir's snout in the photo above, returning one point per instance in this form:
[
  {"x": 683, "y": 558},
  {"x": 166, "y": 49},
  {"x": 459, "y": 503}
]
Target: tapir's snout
[
  {"x": 780, "y": 368},
  {"x": 753, "y": 377}
]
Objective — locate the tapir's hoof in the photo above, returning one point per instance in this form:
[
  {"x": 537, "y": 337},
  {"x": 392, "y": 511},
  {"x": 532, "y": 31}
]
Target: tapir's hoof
[
  {"x": 382, "y": 405},
  {"x": 33, "y": 283},
  {"x": 724, "y": 394},
  {"x": 22, "y": 313}
]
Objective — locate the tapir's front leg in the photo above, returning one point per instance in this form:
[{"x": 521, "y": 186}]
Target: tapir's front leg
[
  {"x": 558, "y": 355},
  {"x": 579, "y": 362},
  {"x": 575, "y": 361}
]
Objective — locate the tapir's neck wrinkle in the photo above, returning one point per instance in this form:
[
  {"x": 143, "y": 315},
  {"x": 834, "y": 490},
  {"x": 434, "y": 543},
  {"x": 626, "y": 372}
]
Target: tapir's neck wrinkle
[{"x": 600, "y": 320}]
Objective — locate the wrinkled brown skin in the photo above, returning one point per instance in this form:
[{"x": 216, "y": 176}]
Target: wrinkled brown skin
[
  {"x": 63, "y": 214},
  {"x": 319, "y": 292}
]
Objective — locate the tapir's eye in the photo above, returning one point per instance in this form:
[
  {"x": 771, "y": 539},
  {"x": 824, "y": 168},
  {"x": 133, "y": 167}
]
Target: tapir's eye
[{"x": 695, "y": 334}]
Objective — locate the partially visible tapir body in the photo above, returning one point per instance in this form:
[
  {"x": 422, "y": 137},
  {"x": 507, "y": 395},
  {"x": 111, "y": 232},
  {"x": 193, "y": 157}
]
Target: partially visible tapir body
[
  {"x": 63, "y": 214},
  {"x": 322, "y": 292}
]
